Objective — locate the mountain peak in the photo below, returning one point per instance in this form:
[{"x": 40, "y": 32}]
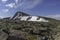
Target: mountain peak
[
  {"x": 20, "y": 14},
  {"x": 26, "y": 17}
]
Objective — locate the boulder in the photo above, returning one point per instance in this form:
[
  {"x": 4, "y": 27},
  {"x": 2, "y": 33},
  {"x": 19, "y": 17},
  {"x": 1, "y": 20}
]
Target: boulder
[
  {"x": 16, "y": 35},
  {"x": 3, "y": 35}
]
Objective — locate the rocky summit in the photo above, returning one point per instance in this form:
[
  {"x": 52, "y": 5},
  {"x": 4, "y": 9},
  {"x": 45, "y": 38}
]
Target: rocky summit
[{"x": 23, "y": 26}]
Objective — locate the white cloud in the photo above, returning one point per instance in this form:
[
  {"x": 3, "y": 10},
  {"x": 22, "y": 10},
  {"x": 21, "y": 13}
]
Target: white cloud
[
  {"x": 24, "y": 4},
  {"x": 1, "y": 17},
  {"x": 5, "y": 10},
  {"x": 11, "y": 5},
  {"x": 56, "y": 16},
  {"x": 4, "y": 13},
  {"x": 16, "y": 1},
  {"x": 4, "y": 1},
  {"x": 32, "y": 4},
  {"x": 28, "y": 4}
]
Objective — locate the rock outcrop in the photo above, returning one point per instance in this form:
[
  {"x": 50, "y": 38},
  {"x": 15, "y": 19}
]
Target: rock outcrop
[{"x": 3, "y": 35}]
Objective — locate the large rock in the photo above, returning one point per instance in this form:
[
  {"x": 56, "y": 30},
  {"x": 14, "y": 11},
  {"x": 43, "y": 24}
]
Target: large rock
[
  {"x": 3, "y": 35},
  {"x": 16, "y": 35},
  {"x": 15, "y": 38}
]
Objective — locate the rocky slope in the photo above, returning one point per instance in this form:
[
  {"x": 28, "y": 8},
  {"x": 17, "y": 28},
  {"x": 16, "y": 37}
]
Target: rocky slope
[{"x": 16, "y": 29}]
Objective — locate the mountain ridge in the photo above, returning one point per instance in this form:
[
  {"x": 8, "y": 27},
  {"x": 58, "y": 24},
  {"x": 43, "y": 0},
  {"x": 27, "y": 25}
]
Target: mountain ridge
[{"x": 17, "y": 29}]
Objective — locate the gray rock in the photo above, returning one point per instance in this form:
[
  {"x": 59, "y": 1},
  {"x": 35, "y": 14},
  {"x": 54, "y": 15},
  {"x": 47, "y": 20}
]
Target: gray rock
[
  {"x": 16, "y": 35},
  {"x": 3, "y": 36},
  {"x": 15, "y": 38}
]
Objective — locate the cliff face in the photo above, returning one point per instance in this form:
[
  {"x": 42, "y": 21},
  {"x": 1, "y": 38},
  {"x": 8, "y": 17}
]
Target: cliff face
[{"x": 23, "y": 29}]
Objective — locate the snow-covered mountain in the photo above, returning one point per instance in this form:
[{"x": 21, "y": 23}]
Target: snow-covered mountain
[
  {"x": 25, "y": 26},
  {"x": 25, "y": 17}
]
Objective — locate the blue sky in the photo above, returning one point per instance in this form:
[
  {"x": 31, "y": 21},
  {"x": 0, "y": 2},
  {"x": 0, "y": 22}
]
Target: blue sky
[{"x": 47, "y": 8}]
